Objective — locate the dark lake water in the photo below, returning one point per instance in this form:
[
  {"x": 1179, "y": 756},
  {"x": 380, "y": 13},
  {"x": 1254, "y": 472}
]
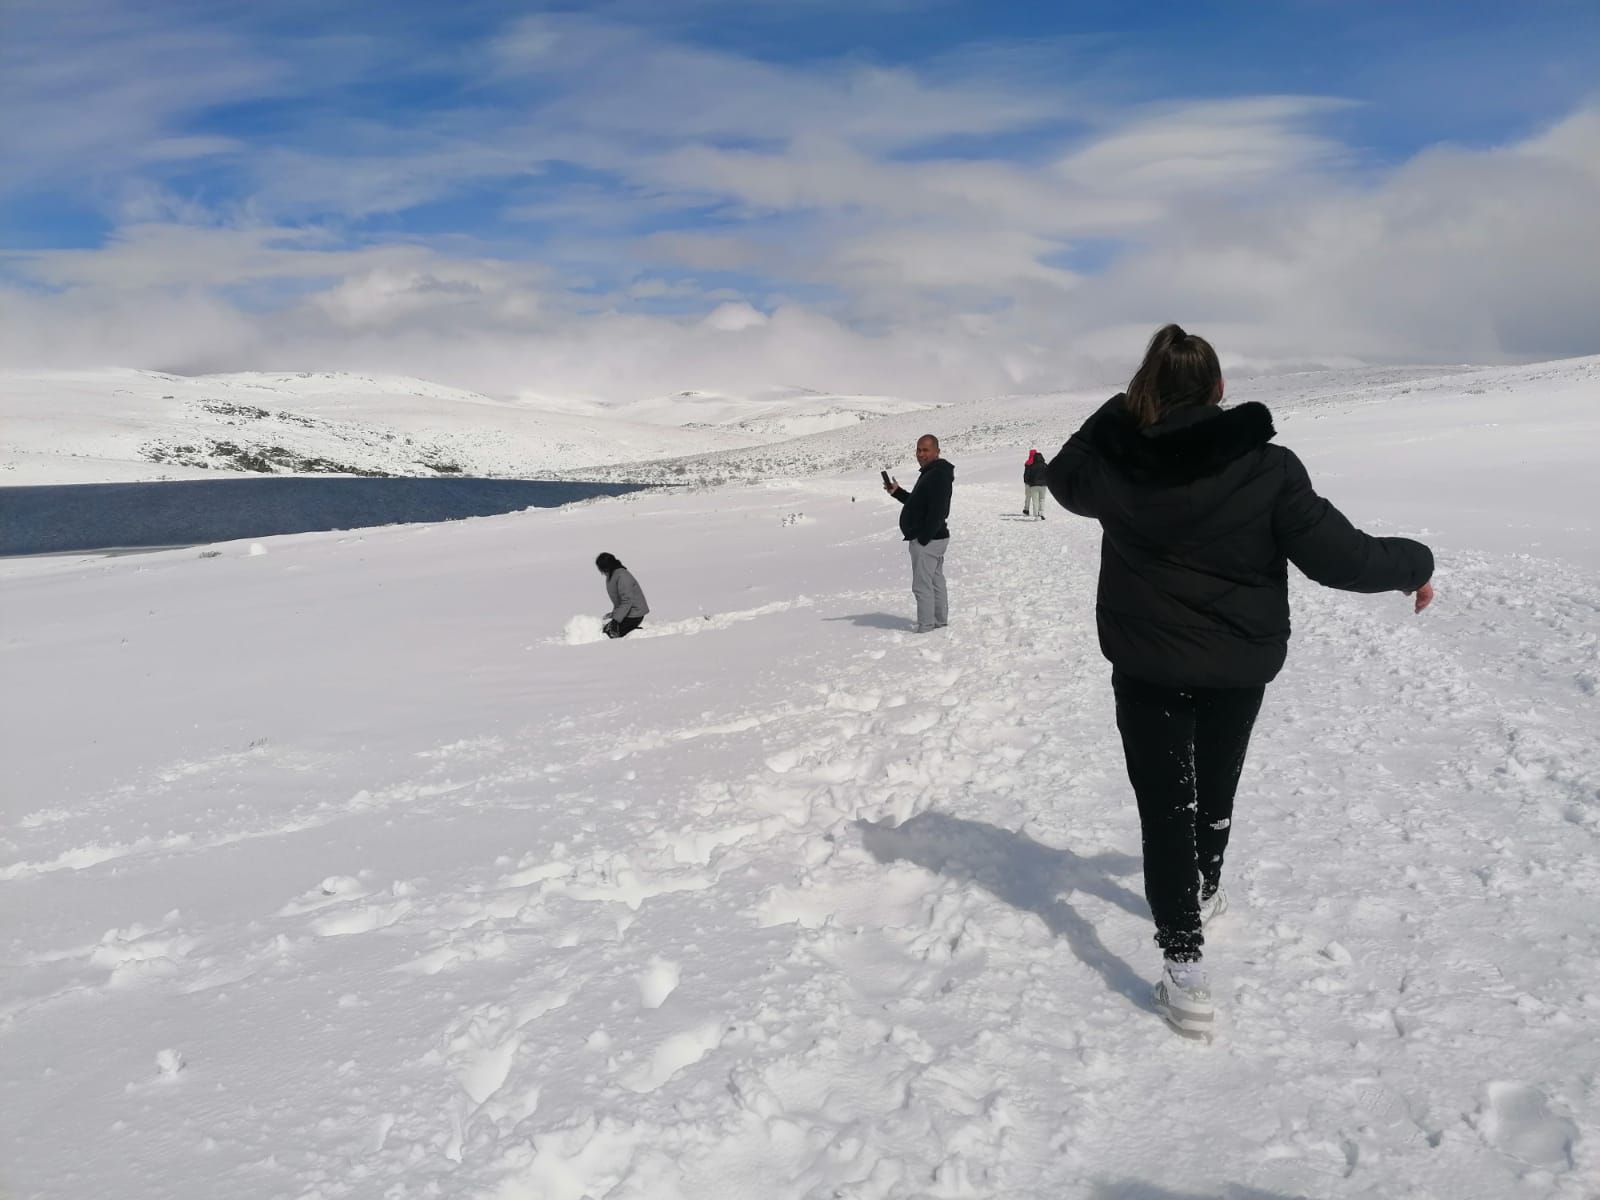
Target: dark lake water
[{"x": 60, "y": 518}]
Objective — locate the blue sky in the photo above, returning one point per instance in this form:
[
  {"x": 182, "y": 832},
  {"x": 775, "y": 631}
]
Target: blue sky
[{"x": 962, "y": 195}]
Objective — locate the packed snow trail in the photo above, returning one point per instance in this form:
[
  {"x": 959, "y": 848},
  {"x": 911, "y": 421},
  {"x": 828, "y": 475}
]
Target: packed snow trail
[{"x": 781, "y": 900}]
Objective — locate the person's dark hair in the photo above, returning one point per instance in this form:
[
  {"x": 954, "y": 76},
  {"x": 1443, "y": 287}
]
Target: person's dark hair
[
  {"x": 928, "y": 437},
  {"x": 607, "y": 563},
  {"x": 1178, "y": 368}
]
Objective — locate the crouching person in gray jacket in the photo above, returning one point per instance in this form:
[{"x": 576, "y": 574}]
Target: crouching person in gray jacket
[{"x": 628, "y": 606}]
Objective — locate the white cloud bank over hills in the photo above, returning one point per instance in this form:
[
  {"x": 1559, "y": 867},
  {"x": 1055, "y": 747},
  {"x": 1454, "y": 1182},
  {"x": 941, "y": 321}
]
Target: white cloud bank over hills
[{"x": 666, "y": 216}]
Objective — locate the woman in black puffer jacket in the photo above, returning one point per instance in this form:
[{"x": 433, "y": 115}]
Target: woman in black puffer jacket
[{"x": 1201, "y": 515}]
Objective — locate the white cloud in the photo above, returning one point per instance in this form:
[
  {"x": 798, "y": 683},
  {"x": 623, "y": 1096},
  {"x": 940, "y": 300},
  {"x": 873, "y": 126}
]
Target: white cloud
[
  {"x": 92, "y": 89},
  {"x": 1458, "y": 255},
  {"x": 154, "y": 257},
  {"x": 734, "y": 316},
  {"x": 435, "y": 294},
  {"x": 976, "y": 264},
  {"x": 623, "y": 82},
  {"x": 1224, "y": 146},
  {"x": 820, "y": 174}
]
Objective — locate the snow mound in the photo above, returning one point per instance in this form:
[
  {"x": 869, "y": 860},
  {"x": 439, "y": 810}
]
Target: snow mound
[{"x": 581, "y": 629}]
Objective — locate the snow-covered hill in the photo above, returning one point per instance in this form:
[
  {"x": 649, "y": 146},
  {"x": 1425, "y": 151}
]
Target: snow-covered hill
[
  {"x": 122, "y": 425},
  {"x": 343, "y": 866},
  {"x": 1042, "y": 420},
  {"x": 769, "y": 414}
]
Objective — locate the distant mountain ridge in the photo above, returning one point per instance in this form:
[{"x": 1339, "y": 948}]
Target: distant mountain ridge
[{"x": 115, "y": 424}]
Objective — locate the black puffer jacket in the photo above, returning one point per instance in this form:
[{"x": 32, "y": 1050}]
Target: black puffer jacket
[
  {"x": 1036, "y": 472},
  {"x": 1200, "y": 514},
  {"x": 927, "y": 506}
]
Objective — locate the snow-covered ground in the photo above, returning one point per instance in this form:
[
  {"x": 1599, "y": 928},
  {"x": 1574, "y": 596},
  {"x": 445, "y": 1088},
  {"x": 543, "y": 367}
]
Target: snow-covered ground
[
  {"x": 113, "y": 426},
  {"x": 349, "y": 869}
]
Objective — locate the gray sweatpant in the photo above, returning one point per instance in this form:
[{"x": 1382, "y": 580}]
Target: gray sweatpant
[{"x": 927, "y": 584}]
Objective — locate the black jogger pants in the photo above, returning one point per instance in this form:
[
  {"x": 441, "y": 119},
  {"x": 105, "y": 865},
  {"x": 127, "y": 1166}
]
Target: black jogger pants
[{"x": 1185, "y": 749}]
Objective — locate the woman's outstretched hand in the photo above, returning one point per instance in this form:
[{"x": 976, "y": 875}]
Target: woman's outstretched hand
[{"x": 1424, "y": 595}]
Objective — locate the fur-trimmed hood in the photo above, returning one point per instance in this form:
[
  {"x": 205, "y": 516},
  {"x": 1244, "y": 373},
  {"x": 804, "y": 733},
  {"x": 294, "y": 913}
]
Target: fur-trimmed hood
[{"x": 1188, "y": 443}]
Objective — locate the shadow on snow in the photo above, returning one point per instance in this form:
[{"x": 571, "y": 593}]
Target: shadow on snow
[
  {"x": 1027, "y": 875},
  {"x": 878, "y": 620}
]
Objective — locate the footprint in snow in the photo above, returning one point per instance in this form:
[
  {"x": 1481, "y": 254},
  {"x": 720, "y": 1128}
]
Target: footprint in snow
[
  {"x": 367, "y": 917},
  {"x": 364, "y": 920},
  {"x": 679, "y": 1051},
  {"x": 136, "y": 955},
  {"x": 1516, "y": 1119},
  {"x": 335, "y": 889},
  {"x": 659, "y": 982}
]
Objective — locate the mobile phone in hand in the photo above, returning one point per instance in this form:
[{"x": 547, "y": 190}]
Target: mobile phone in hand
[{"x": 885, "y": 475}]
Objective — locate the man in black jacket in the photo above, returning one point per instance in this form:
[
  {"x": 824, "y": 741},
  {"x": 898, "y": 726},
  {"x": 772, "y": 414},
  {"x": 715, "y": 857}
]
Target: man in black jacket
[{"x": 922, "y": 524}]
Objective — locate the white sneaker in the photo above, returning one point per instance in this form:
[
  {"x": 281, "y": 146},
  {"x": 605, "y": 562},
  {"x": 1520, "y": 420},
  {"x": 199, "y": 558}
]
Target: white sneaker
[
  {"x": 1213, "y": 906},
  {"x": 1183, "y": 998}
]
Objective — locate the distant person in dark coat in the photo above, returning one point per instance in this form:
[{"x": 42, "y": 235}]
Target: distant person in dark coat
[
  {"x": 927, "y": 536},
  {"x": 1035, "y": 484},
  {"x": 1201, "y": 514},
  {"x": 628, "y": 606}
]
